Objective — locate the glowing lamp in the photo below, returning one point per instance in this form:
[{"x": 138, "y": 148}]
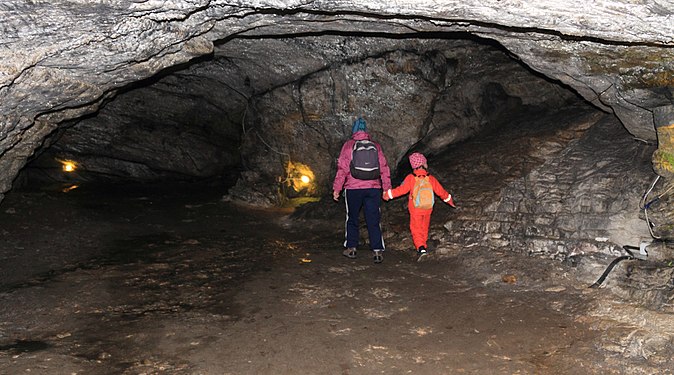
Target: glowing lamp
[
  {"x": 69, "y": 166},
  {"x": 300, "y": 179}
]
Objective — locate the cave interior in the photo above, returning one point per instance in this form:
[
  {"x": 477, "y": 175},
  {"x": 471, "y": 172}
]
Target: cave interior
[{"x": 556, "y": 147}]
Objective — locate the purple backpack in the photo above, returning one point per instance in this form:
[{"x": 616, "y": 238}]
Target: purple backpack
[{"x": 365, "y": 160}]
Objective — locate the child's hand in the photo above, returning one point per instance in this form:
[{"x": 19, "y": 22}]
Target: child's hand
[
  {"x": 384, "y": 196},
  {"x": 451, "y": 201}
]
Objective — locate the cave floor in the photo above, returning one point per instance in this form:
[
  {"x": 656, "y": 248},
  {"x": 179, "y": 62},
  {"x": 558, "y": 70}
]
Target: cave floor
[{"x": 172, "y": 280}]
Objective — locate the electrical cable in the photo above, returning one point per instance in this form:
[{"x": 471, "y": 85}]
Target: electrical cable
[
  {"x": 645, "y": 205},
  {"x": 615, "y": 261}
]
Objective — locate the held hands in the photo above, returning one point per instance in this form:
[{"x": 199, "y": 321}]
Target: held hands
[
  {"x": 384, "y": 196},
  {"x": 450, "y": 201}
]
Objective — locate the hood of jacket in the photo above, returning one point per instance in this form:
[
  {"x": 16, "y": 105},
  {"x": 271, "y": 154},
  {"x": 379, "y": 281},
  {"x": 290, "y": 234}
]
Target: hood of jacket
[
  {"x": 360, "y": 135},
  {"x": 420, "y": 172}
]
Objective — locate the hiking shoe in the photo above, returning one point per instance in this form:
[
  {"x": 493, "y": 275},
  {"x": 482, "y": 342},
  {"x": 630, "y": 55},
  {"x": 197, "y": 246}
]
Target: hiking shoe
[
  {"x": 378, "y": 256},
  {"x": 422, "y": 251},
  {"x": 350, "y": 253}
]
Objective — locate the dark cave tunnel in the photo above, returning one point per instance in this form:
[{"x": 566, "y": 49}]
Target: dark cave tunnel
[{"x": 205, "y": 122}]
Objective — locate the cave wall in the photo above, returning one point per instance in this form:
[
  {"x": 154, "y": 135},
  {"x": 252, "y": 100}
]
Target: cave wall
[
  {"x": 564, "y": 185},
  {"x": 182, "y": 126},
  {"x": 425, "y": 94},
  {"x": 584, "y": 198}
]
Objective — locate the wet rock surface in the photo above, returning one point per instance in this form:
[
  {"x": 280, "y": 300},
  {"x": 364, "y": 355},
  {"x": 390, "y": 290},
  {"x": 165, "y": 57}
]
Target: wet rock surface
[{"x": 417, "y": 93}]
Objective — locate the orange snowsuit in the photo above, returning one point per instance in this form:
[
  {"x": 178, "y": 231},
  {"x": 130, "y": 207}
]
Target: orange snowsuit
[{"x": 420, "y": 219}]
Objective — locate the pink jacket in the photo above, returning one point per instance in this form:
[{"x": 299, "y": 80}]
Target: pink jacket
[{"x": 343, "y": 179}]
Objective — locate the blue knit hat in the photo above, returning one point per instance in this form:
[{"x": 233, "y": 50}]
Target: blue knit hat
[{"x": 358, "y": 125}]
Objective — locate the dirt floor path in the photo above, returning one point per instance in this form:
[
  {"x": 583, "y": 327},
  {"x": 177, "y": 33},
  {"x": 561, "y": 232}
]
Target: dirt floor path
[{"x": 175, "y": 281}]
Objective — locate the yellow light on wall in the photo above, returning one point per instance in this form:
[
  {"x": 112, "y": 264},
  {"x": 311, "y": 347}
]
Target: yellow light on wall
[
  {"x": 69, "y": 188},
  {"x": 300, "y": 178},
  {"x": 68, "y": 165}
]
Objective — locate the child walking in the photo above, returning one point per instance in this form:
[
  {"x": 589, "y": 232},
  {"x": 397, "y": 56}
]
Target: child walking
[{"x": 422, "y": 188}]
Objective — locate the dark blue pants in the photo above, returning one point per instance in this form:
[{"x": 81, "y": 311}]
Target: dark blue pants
[{"x": 370, "y": 201}]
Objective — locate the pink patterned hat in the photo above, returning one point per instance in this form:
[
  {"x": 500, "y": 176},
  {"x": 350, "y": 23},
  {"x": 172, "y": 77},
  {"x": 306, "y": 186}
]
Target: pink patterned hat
[{"x": 417, "y": 160}]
